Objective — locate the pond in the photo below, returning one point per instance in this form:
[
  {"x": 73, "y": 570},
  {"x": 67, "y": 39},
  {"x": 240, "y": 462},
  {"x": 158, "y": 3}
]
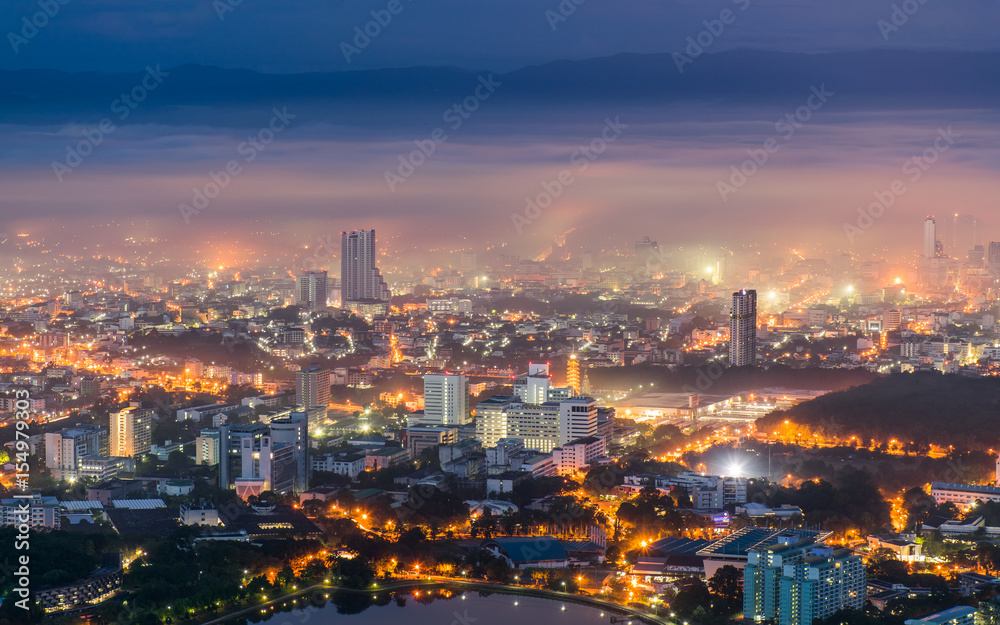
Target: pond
[{"x": 428, "y": 606}]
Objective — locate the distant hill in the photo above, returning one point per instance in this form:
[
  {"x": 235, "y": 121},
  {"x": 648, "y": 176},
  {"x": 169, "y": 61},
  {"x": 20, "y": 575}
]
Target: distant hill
[
  {"x": 925, "y": 408},
  {"x": 875, "y": 79}
]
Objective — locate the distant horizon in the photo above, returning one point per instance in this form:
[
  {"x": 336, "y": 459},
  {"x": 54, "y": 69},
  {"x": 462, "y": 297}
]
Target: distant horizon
[
  {"x": 109, "y": 35},
  {"x": 542, "y": 63}
]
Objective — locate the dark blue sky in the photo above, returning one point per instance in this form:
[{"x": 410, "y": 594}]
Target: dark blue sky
[{"x": 306, "y": 35}]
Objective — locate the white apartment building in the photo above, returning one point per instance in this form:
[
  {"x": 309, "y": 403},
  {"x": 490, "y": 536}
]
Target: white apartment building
[{"x": 446, "y": 399}]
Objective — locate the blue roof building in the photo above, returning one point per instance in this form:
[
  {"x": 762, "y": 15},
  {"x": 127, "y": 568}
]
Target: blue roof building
[{"x": 543, "y": 552}]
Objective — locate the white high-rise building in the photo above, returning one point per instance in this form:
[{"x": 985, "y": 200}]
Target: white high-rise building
[
  {"x": 743, "y": 329},
  {"x": 533, "y": 388},
  {"x": 930, "y": 238},
  {"x": 131, "y": 432},
  {"x": 577, "y": 419},
  {"x": 360, "y": 279},
  {"x": 446, "y": 399}
]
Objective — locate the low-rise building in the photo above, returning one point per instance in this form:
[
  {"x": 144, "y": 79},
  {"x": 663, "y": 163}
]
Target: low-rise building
[
  {"x": 35, "y": 510},
  {"x": 349, "y": 462},
  {"x": 964, "y": 496},
  {"x": 386, "y": 457},
  {"x": 104, "y": 468},
  {"x": 959, "y": 615},
  {"x": 421, "y": 437},
  {"x": 577, "y": 454},
  {"x": 540, "y": 552},
  {"x": 505, "y": 482},
  {"x": 199, "y": 514},
  {"x": 198, "y": 413},
  {"x": 97, "y": 587}
]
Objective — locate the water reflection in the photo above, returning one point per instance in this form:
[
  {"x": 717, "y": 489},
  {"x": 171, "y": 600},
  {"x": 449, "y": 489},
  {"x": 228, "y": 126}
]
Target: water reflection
[{"x": 424, "y": 606}]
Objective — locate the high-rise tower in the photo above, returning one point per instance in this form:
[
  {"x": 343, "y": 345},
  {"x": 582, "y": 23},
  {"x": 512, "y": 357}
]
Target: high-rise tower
[
  {"x": 311, "y": 291},
  {"x": 930, "y": 238},
  {"x": 312, "y": 387},
  {"x": 360, "y": 279},
  {"x": 743, "y": 329},
  {"x": 446, "y": 399}
]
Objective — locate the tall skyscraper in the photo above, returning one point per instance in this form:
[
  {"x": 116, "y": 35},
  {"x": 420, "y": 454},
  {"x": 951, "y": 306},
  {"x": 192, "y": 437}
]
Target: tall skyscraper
[
  {"x": 131, "y": 432},
  {"x": 963, "y": 234},
  {"x": 446, "y": 399},
  {"x": 976, "y": 256},
  {"x": 312, "y": 387},
  {"x": 293, "y": 430},
  {"x": 993, "y": 258},
  {"x": 930, "y": 238},
  {"x": 743, "y": 329},
  {"x": 311, "y": 292},
  {"x": 360, "y": 279}
]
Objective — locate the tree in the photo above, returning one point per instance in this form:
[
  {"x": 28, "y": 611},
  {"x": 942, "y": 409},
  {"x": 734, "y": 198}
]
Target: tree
[
  {"x": 356, "y": 573},
  {"x": 727, "y": 586},
  {"x": 178, "y": 461},
  {"x": 883, "y": 564},
  {"x": 693, "y": 596},
  {"x": 235, "y": 393},
  {"x": 989, "y": 612}
]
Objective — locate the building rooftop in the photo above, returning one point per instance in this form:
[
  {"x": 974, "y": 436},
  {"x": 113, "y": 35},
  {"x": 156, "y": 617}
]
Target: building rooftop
[
  {"x": 583, "y": 440},
  {"x": 749, "y": 539},
  {"x": 387, "y": 451},
  {"x": 159, "y": 521},
  {"x": 138, "y": 504},
  {"x": 943, "y": 617},
  {"x": 968, "y": 488},
  {"x": 537, "y": 549},
  {"x": 671, "y": 546},
  {"x": 83, "y": 505}
]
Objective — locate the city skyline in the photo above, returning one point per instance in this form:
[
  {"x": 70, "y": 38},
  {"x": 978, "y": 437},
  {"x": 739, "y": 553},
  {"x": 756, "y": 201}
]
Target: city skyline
[{"x": 657, "y": 311}]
